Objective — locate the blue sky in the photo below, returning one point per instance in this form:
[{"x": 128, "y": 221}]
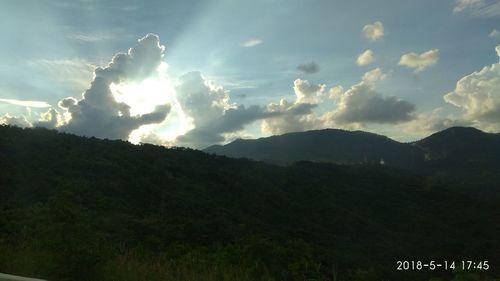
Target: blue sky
[{"x": 253, "y": 48}]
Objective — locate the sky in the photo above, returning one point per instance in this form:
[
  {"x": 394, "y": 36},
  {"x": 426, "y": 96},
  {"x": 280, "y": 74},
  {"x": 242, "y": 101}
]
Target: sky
[{"x": 197, "y": 73}]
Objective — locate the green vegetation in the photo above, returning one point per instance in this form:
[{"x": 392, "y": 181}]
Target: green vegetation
[{"x": 74, "y": 208}]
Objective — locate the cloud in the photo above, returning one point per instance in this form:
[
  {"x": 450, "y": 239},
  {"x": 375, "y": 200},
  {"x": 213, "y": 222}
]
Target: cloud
[
  {"x": 365, "y": 57},
  {"x": 212, "y": 113},
  {"x": 335, "y": 92},
  {"x": 361, "y": 104},
  {"x": 465, "y": 4},
  {"x": 307, "y": 92},
  {"x": 353, "y": 108},
  {"x": 251, "y": 43},
  {"x": 93, "y": 37},
  {"x": 374, "y": 31},
  {"x": 291, "y": 117},
  {"x": 104, "y": 111},
  {"x": 98, "y": 113},
  {"x": 491, "y": 9},
  {"x": 477, "y": 94},
  {"x": 431, "y": 122},
  {"x": 374, "y": 75},
  {"x": 28, "y": 103},
  {"x": 18, "y": 121},
  {"x": 50, "y": 119},
  {"x": 494, "y": 34},
  {"x": 308, "y": 68},
  {"x": 478, "y": 8},
  {"x": 296, "y": 116},
  {"x": 420, "y": 61}
]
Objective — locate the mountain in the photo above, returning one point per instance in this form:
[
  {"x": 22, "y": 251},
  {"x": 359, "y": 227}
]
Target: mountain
[
  {"x": 329, "y": 145},
  {"x": 463, "y": 155},
  {"x": 461, "y": 143},
  {"x": 76, "y": 208},
  {"x": 451, "y": 148}
]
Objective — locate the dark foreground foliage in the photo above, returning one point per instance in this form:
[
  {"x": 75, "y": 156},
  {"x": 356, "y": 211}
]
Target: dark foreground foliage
[{"x": 74, "y": 208}]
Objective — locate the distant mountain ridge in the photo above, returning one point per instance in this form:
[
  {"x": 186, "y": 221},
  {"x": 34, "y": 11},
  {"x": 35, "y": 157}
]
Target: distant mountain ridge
[
  {"x": 329, "y": 145},
  {"x": 461, "y": 142},
  {"x": 356, "y": 147}
]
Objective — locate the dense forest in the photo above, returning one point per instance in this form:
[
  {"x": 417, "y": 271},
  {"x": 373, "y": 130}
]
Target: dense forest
[{"x": 75, "y": 208}]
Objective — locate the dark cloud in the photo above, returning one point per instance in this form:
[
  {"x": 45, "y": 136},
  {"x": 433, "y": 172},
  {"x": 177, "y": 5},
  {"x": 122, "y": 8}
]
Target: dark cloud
[
  {"x": 290, "y": 117},
  {"x": 309, "y": 68},
  {"x": 299, "y": 115},
  {"x": 98, "y": 113},
  {"x": 212, "y": 113},
  {"x": 361, "y": 104},
  {"x": 232, "y": 120}
]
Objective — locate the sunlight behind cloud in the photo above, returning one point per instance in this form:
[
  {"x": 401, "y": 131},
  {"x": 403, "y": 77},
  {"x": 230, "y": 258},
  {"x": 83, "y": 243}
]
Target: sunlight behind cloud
[{"x": 143, "y": 97}]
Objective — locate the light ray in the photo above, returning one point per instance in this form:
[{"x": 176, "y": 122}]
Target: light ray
[{"x": 29, "y": 103}]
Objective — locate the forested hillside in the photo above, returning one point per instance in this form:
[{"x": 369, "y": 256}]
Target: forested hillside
[
  {"x": 463, "y": 151},
  {"x": 328, "y": 145},
  {"x": 74, "y": 208}
]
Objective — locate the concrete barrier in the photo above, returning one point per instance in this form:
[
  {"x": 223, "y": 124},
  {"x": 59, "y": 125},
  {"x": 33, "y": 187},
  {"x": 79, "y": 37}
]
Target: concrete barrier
[{"x": 8, "y": 277}]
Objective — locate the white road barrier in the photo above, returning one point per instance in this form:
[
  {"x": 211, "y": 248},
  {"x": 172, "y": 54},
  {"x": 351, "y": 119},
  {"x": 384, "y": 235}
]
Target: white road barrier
[{"x": 8, "y": 277}]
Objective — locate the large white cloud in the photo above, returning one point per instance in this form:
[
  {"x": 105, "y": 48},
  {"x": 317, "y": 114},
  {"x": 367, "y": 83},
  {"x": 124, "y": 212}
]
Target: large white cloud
[
  {"x": 373, "y": 31},
  {"x": 478, "y": 94},
  {"x": 306, "y": 92},
  {"x": 103, "y": 112},
  {"x": 98, "y": 113},
  {"x": 420, "y": 61}
]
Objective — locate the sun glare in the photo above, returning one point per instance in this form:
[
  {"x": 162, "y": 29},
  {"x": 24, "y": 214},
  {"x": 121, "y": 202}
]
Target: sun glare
[{"x": 143, "y": 97}]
